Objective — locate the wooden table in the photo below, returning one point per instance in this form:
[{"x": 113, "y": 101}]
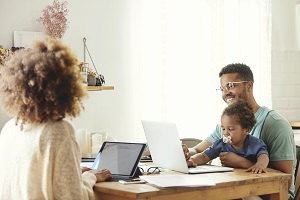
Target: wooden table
[{"x": 229, "y": 185}]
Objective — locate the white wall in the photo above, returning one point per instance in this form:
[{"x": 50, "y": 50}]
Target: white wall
[
  {"x": 108, "y": 27},
  {"x": 286, "y": 59}
]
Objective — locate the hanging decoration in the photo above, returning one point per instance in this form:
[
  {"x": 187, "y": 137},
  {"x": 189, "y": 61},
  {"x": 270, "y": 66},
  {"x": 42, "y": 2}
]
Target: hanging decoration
[{"x": 99, "y": 77}]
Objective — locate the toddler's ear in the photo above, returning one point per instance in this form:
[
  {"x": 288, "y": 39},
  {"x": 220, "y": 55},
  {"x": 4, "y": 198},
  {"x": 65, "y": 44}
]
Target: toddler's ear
[{"x": 247, "y": 131}]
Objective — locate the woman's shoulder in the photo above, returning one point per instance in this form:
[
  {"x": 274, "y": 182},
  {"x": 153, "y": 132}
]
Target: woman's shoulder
[
  {"x": 62, "y": 124},
  {"x": 58, "y": 129}
]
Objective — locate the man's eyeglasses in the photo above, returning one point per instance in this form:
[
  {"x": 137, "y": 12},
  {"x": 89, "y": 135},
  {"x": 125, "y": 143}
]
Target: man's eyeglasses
[
  {"x": 229, "y": 86},
  {"x": 150, "y": 170}
]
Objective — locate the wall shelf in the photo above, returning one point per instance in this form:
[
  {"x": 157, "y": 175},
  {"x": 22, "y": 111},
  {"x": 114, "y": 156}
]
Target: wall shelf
[{"x": 99, "y": 88}]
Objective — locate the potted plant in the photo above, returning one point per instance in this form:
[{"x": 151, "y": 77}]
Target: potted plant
[{"x": 91, "y": 78}]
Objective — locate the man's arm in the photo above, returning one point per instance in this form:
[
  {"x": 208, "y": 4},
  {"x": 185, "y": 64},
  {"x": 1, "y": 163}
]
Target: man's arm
[
  {"x": 286, "y": 166},
  {"x": 188, "y": 152},
  {"x": 279, "y": 137}
]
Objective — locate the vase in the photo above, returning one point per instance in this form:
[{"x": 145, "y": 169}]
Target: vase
[{"x": 91, "y": 80}]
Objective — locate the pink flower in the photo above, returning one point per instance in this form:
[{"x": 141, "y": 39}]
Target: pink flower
[{"x": 54, "y": 19}]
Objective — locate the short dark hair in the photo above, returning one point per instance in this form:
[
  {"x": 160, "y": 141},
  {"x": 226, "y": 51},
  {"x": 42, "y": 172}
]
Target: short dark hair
[
  {"x": 242, "y": 112},
  {"x": 243, "y": 71}
]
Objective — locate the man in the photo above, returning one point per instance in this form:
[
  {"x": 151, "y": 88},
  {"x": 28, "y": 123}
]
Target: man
[{"x": 237, "y": 84}]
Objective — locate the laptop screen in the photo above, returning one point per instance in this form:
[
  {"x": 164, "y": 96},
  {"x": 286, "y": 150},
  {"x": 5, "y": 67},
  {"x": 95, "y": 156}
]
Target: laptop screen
[
  {"x": 167, "y": 152},
  {"x": 120, "y": 158}
]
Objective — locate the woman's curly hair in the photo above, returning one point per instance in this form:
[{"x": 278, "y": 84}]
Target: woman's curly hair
[
  {"x": 42, "y": 83},
  {"x": 242, "y": 112}
]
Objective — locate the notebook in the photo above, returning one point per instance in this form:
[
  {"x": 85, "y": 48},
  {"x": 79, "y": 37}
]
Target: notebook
[
  {"x": 120, "y": 158},
  {"x": 166, "y": 150}
]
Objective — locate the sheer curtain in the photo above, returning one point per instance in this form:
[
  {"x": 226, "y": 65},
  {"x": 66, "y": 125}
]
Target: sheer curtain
[{"x": 183, "y": 44}]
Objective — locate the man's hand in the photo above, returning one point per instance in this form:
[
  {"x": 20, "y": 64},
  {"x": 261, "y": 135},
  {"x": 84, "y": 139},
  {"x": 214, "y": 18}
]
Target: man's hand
[
  {"x": 229, "y": 159},
  {"x": 186, "y": 151}
]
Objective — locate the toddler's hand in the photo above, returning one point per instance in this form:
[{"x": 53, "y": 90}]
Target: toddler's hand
[
  {"x": 257, "y": 169},
  {"x": 191, "y": 162}
]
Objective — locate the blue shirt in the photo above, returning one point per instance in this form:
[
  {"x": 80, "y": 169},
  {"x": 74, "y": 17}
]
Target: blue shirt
[
  {"x": 275, "y": 131},
  {"x": 253, "y": 147}
]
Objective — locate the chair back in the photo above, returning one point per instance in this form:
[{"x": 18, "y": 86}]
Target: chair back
[
  {"x": 297, "y": 190},
  {"x": 190, "y": 142}
]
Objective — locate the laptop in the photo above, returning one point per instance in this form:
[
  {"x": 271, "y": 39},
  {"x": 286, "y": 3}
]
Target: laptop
[
  {"x": 120, "y": 158},
  {"x": 166, "y": 149}
]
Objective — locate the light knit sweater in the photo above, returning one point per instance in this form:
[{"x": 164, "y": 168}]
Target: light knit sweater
[{"x": 42, "y": 162}]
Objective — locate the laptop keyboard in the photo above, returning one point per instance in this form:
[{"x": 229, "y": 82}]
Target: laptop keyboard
[{"x": 116, "y": 178}]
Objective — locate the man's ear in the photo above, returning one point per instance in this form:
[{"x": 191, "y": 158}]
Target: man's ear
[{"x": 250, "y": 85}]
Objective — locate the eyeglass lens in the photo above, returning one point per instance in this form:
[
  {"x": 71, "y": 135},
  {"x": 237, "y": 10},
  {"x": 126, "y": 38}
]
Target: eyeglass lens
[
  {"x": 150, "y": 170},
  {"x": 229, "y": 86}
]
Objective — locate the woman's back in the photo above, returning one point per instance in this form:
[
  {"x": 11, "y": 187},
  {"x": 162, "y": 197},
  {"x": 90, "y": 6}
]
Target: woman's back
[{"x": 39, "y": 162}]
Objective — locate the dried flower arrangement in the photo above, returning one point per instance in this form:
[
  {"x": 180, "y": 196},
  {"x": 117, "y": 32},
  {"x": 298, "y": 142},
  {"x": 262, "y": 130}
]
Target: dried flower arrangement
[
  {"x": 54, "y": 19},
  {"x": 91, "y": 72},
  {"x": 85, "y": 67},
  {"x": 5, "y": 54},
  {"x": 2, "y": 55}
]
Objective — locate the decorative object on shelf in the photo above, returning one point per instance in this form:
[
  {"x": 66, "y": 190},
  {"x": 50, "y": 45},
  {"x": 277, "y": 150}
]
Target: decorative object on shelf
[
  {"x": 99, "y": 77},
  {"x": 54, "y": 19},
  {"x": 83, "y": 68},
  {"x": 91, "y": 78},
  {"x": 14, "y": 49}
]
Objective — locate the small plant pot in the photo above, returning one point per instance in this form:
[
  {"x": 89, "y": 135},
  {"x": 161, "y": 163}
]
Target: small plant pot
[{"x": 91, "y": 80}]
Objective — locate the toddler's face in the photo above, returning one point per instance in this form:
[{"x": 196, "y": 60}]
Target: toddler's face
[{"x": 232, "y": 131}]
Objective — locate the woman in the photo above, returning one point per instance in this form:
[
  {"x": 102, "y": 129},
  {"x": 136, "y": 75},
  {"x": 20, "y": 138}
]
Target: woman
[{"x": 40, "y": 159}]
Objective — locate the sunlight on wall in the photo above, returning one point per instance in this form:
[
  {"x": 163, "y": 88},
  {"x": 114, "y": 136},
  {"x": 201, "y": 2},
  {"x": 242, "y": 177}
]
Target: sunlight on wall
[{"x": 185, "y": 44}]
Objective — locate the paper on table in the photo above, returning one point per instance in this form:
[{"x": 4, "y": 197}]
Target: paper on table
[
  {"x": 184, "y": 180},
  {"x": 86, "y": 164}
]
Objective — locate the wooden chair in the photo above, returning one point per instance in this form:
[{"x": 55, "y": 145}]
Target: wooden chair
[
  {"x": 297, "y": 176},
  {"x": 190, "y": 142}
]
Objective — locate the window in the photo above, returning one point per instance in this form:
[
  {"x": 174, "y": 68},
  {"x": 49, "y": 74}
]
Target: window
[{"x": 183, "y": 44}]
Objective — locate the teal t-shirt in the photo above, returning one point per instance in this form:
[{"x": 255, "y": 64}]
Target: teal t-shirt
[{"x": 275, "y": 131}]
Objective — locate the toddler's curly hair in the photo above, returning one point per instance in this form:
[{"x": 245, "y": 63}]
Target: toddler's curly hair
[
  {"x": 42, "y": 83},
  {"x": 242, "y": 112}
]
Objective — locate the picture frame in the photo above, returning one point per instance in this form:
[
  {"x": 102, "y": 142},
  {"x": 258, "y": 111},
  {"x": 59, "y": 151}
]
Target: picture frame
[{"x": 25, "y": 38}]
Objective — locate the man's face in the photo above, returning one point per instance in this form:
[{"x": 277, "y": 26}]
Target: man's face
[{"x": 234, "y": 89}]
